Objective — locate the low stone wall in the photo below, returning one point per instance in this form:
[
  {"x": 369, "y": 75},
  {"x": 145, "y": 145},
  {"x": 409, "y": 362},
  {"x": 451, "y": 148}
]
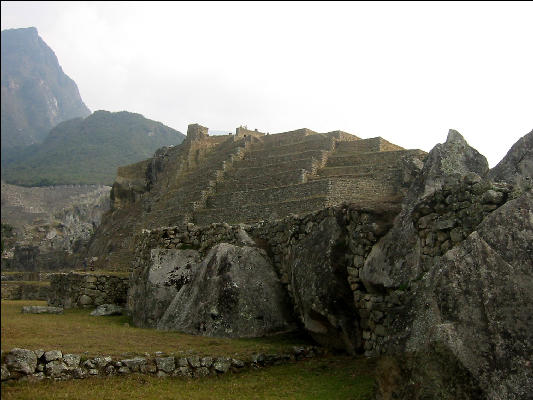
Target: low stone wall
[
  {"x": 289, "y": 138},
  {"x": 386, "y": 190},
  {"x": 72, "y": 290},
  {"x": 13, "y": 290},
  {"x": 28, "y": 365},
  {"x": 363, "y": 145}
]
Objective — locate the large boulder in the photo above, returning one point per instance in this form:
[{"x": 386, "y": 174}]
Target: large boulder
[
  {"x": 320, "y": 289},
  {"x": 233, "y": 292},
  {"x": 154, "y": 285},
  {"x": 21, "y": 361},
  {"x": 41, "y": 310},
  {"x": 107, "y": 309},
  {"x": 395, "y": 260}
]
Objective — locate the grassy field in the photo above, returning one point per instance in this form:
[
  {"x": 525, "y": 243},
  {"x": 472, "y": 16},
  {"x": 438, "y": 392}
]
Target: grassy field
[
  {"x": 34, "y": 283},
  {"x": 77, "y": 332},
  {"x": 332, "y": 378}
]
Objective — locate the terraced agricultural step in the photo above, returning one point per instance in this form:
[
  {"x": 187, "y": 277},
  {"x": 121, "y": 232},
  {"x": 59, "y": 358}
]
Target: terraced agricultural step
[
  {"x": 251, "y": 213},
  {"x": 270, "y": 195},
  {"x": 374, "y": 158},
  {"x": 367, "y": 145},
  {"x": 265, "y": 180},
  {"x": 274, "y": 168},
  {"x": 256, "y": 161},
  {"x": 258, "y": 152}
]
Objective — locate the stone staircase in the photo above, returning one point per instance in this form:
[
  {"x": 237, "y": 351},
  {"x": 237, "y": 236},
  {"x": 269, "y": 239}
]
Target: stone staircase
[
  {"x": 193, "y": 185},
  {"x": 303, "y": 171},
  {"x": 271, "y": 180}
]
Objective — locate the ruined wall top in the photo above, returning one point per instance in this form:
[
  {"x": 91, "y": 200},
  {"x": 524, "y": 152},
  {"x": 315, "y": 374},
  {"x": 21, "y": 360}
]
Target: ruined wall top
[
  {"x": 243, "y": 131},
  {"x": 196, "y": 132}
]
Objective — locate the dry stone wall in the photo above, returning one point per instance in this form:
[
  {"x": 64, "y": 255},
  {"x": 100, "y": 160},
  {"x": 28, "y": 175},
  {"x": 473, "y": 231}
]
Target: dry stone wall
[
  {"x": 79, "y": 290},
  {"x": 36, "y": 365},
  {"x": 360, "y": 228},
  {"x": 13, "y": 290},
  {"x": 443, "y": 220}
]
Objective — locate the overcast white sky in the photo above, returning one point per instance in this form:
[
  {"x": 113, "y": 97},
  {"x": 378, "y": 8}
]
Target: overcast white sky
[{"x": 404, "y": 71}]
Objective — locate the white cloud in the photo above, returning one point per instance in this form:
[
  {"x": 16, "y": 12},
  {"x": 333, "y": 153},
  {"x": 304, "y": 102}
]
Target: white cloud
[{"x": 403, "y": 71}]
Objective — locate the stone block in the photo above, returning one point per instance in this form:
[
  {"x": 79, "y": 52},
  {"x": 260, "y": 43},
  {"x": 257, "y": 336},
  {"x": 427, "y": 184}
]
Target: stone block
[
  {"x": 165, "y": 364},
  {"x": 52, "y": 355}
]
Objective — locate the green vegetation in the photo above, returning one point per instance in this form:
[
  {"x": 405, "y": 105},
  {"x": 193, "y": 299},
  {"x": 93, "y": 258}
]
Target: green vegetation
[
  {"x": 336, "y": 378},
  {"x": 88, "y": 151},
  {"x": 77, "y": 332}
]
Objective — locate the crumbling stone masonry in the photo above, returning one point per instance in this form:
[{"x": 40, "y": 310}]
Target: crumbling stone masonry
[
  {"x": 79, "y": 290},
  {"x": 36, "y": 365}
]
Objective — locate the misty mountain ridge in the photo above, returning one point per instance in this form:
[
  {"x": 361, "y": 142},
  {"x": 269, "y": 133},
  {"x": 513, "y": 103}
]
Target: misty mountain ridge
[
  {"x": 88, "y": 150},
  {"x": 36, "y": 93}
]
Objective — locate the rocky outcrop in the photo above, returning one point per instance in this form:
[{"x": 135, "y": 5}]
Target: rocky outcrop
[
  {"x": 517, "y": 166},
  {"x": 154, "y": 286},
  {"x": 319, "y": 286},
  {"x": 232, "y": 291},
  {"x": 52, "y": 225},
  {"x": 462, "y": 253},
  {"x": 317, "y": 258},
  {"x": 395, "y": 260}
]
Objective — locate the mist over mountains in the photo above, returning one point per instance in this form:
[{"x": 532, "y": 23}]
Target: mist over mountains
[
  {"x": 49, "y": 136},
  {"x": 36, "y": 93},
  {"x": 88, "y": 151}
]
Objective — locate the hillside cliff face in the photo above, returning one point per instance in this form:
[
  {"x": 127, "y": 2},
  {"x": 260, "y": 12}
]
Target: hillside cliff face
[
  {"x": 51, "y": 224},
  {"x": 89, "y": 150},
  {"x": 36, "y": 93}
]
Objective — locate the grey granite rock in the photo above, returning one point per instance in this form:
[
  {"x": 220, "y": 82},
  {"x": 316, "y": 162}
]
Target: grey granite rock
[{"x": 21, "y": 361}]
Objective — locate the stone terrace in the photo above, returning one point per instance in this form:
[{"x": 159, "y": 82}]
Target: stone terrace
[
  {"x": 248, "y": 177},
  {"x": 302, "y": 171},
  {"x": 253, "y": 176}
]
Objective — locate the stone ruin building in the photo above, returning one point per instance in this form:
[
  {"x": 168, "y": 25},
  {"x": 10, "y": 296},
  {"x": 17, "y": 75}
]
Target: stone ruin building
[
  {"x": 366, "y": 246},
  {"x": 251, "y": 176},
  {"x": 267, "y": 177}
]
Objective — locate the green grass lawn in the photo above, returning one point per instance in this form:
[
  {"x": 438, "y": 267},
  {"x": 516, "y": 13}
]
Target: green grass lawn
[
  {"x": 77, "y": 332},
  {"x": 331, "y": 378},
  {"x": 34, "y": 283}
]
